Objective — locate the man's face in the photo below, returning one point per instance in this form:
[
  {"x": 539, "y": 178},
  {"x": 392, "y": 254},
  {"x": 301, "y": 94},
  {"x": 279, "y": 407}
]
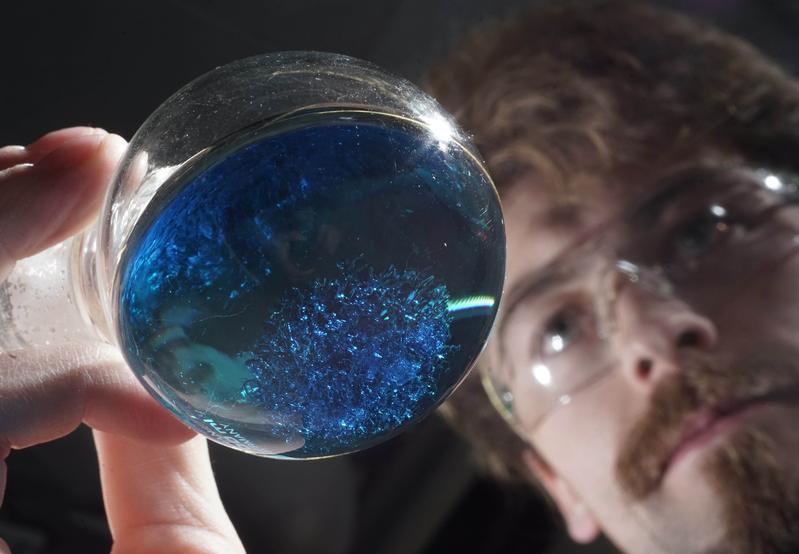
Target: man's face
[{"x": 654, "y": 369}]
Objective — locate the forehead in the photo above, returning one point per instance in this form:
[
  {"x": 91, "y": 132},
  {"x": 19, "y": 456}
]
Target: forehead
[{"x": 540, "y": 225}]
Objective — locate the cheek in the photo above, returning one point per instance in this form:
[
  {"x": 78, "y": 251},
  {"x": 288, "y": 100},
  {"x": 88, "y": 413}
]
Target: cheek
[
  {"x": 765, "y": 308},
  {"x": 581, "y": 439},
  {"x": 778, "y": 298}
]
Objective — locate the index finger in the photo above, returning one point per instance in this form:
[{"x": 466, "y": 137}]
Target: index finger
[
  {"x": 158, "y": 487},
  {"x": 47, "y": 392}
]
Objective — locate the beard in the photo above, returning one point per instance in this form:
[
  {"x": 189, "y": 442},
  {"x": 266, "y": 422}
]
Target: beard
[
  {"x": 760, "y": 496},
  {"x": 753, "y": 478}
]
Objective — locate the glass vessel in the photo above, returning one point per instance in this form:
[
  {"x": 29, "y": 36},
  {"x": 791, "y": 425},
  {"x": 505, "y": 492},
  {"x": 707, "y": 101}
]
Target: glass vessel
[{"x": 299, "y": 256}]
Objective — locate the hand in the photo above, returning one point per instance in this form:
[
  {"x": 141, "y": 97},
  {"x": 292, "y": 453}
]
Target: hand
[{"x": 159, "y": 491}]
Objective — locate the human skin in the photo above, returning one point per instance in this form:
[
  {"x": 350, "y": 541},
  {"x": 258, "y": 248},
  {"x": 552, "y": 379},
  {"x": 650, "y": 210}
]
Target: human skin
[
  {"x": 158, "y": 487},
  {"x": 577, "y": 446}
]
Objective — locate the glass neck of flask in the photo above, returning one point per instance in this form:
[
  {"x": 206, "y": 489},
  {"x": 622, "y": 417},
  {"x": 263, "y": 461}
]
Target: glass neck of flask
[{"x": 53, "y": 297}]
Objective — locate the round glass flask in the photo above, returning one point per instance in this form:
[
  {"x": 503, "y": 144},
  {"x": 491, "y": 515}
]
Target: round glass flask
[{"x": 299, "y": 256}]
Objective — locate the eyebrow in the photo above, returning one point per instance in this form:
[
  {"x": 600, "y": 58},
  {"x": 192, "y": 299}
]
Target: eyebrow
[{"x": 671, "y": 189}]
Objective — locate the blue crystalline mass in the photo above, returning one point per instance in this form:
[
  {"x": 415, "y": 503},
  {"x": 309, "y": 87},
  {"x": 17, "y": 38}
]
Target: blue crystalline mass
[
  {"x": 288, "y": 291},
  {"x": 352, "y": 358}
]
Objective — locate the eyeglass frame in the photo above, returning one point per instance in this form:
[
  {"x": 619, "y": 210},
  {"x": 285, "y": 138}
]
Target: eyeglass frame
[{"x": 783, "y": 187}]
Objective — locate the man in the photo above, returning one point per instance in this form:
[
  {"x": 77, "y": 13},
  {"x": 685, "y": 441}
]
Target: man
[{"x": 645, "y": 351}]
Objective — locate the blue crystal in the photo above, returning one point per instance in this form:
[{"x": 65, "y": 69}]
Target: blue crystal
[{"x": 312, "y": 286}]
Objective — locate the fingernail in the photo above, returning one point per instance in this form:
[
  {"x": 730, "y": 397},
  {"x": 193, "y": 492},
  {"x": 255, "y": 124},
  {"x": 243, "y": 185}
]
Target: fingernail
[
  {"x": 12, "y": 155},
  {"x": 72, "y": 153}
]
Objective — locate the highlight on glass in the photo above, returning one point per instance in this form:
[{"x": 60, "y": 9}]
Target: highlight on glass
[{"x": 300, "y": 255}]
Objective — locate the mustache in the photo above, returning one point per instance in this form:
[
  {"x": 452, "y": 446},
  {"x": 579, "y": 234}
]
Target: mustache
[{"x": 703, "y": 383}]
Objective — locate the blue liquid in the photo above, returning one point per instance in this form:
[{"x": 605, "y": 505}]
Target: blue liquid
[{"x": 313, "y": 286}]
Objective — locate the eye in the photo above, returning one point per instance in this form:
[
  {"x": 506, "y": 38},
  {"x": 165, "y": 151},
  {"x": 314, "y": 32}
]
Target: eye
[
  {"x": 562, "y": 330},
  {"x": 701, "y": 234}
]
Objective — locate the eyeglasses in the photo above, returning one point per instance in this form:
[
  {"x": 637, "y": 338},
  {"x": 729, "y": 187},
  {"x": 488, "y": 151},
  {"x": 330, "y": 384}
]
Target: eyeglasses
[{"x": 697, "y": 243}]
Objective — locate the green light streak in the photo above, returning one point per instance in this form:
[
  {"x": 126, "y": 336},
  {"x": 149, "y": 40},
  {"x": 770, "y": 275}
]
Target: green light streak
[{"x": 470, "y": 302}]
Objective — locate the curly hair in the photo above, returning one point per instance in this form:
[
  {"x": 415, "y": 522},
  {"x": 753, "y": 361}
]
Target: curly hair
[{"x": 591, "y": 87}]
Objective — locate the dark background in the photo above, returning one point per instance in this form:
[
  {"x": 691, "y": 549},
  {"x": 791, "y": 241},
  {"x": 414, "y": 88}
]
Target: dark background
[{"x": 110, "y": 64}]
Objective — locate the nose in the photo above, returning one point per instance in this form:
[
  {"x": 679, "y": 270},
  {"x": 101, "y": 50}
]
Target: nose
[{"x": 653, "y": 331}]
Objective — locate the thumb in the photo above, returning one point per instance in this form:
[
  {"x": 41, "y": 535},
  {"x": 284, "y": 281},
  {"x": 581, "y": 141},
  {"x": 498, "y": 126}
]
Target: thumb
[{"x": 54, "y": 189}]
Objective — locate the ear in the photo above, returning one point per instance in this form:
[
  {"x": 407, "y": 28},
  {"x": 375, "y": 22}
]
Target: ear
[{"x": 580, "y": 522}]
